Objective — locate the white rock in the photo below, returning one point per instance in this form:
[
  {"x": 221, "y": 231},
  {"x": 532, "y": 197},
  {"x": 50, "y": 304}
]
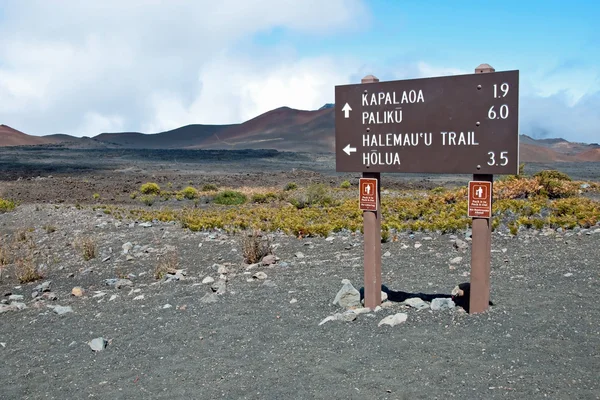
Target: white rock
[
  {"x": 260, "y": 275},
  {"x": 456, "y": 260},
  {"x": 417, "y": 303},
  {"x": 16, "y": 297},
  {"x": 347, "y": 296},
  {"x": 393, "y": 320},
  {"x": 387, "y": 254},
  {"x": 166, "y": 306},
  {"x": 98, "y": 344},
  {"x": 114, "y": 296},
  {"x": 127, "y": 247},
  {"x": 442, "y": 303},
  {"x": 60, "y": 310},
  {"x": 208, "y": 279},
  {"x": 222, "y": 270},
  {"x": 568, "y": 274},
  {"x": 292, "y": 301},
  {"x": 327, "y": 319},
  {"x": 417, "y": 245},
  {"x": 140, "y": 297}
]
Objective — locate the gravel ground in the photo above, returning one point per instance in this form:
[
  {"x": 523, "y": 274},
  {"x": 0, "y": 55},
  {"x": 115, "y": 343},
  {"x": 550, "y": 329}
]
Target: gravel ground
[{"x": 540, "y": 340}]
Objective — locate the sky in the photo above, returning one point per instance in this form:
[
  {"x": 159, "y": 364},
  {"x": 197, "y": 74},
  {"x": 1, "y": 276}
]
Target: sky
[{"x": 87, "y": 67}]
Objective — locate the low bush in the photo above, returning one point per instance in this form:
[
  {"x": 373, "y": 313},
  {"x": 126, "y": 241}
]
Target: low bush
[
  {"x": 148, "y": 200},
  {"x": 189, "y": 193},
  {"x": 6, "y": 205},
  {"x": 345, "y": 185},
  {"x": 263, "y": 197},
  {"x": 229, "y": 198},
  {"x": 209, "y": 187},
  {"x": 290, "y": 186},
  {"x": 150, "y": 188}
]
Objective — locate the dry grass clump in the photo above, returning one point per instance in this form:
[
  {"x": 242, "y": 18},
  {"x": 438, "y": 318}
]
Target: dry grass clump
[
  {"x": 167, "y": 262},
  {"x": 26, "y": 270},
  {"x": 255, "y": 246},
  {"x": 87, "y": 246}
]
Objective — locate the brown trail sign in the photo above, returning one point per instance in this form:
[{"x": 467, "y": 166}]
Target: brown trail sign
[{"x": 464, "y": 124}]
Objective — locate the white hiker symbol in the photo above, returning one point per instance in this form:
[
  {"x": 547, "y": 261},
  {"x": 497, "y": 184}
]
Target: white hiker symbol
[
  {"x": 368, "y": 189},
  {"x": 479, "y": 192}
]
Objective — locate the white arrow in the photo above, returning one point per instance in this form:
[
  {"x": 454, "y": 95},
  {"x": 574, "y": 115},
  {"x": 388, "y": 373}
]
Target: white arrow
[
  {"x": 346, "y": 110},
  {"x": 349, "y": 150}
]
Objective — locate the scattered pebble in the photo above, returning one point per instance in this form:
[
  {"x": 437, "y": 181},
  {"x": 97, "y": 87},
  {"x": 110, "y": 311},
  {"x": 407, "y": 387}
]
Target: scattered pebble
[
  {"x": 393, "y": 320},
  {"x": 98, "y": 344}
]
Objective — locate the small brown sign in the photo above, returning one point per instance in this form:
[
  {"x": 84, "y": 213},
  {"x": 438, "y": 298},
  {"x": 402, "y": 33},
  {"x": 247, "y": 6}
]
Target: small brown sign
[
  {"x": 368, "y": 194},
  {"x": 480, "y": 199}
]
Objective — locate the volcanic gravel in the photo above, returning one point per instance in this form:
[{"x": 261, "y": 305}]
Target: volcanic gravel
[{"x": 541, "y": 339}]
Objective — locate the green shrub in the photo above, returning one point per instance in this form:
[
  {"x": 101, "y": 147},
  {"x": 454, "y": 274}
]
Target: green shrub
[
  {"x": 318, "y": 194},
  {"x": 96, "y": 196},
  {"x": 263, "y": 197},
  {"x": 209, "y": 187},
  {"x": 229, "y": 198},
  {"x": 550, "y": 174},
  {"x": 150, "y": 188},
  {"x": 6, "y": 205},
  {"x": 290, "y": 186},
  {"x": 148, "y": 199},
  {"x": 345, "y": 185},
  {"x": 189, "y": 193},
  {"x": 133, "y": 195}
]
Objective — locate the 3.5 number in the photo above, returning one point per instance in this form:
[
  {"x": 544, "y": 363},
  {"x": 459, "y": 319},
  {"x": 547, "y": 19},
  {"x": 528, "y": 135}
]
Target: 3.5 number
[
  {"x": 503, "y": 114},
  {"x": 503, "y": 158},
  {"x": 503, "y": 88}
]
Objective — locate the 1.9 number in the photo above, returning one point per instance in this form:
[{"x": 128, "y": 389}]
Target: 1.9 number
[
  {"x": 503, "y": 158},
  {"x": 503, "y": 88}
]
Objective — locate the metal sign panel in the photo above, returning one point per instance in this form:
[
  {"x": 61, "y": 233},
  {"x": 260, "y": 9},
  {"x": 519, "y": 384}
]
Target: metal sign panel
[
  {"x": 480, "y": 199},
  {"x": 368, "y": 194},
  {"x": 463, "y": 124}
]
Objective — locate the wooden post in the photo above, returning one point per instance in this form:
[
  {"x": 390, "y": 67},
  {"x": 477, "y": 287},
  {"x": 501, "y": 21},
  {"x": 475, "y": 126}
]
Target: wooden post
[
  {"x": 372, "y": 239},
  {"x": 481, "y": 247}
]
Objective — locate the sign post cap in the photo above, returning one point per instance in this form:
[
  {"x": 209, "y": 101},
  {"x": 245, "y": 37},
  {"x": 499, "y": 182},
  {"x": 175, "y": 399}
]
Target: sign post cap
[
  {"x": 484, "y": 68},
  {"x": 369, "y": 79}
]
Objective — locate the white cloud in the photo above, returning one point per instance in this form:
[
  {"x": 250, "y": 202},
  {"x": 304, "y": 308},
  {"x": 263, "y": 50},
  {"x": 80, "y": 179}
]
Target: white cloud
[
  {"x": 86, "y": 67},
  {"x": 234, "y": 89},
  {"x": 72, "y": 66},
  {"x": 94, "y": 123}
]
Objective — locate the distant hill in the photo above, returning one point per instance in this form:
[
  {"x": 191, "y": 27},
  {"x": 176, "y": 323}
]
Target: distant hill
[
  {"x": 283, "y": 129},
  {"x": 13, "y": 137}
]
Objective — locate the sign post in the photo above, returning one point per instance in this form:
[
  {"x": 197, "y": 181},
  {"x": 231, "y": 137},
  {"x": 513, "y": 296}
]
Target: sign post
[
  {"x": 461, "y": 124},
  {"x": 481, "y": 245},
  {"x": 369, "y": 199}
]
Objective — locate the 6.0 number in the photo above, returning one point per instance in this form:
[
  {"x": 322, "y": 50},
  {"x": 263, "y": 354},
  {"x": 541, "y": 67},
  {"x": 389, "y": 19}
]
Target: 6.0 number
[
  {"x": 503, "y": 158},
  {"x": 492, "y": 114}
]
